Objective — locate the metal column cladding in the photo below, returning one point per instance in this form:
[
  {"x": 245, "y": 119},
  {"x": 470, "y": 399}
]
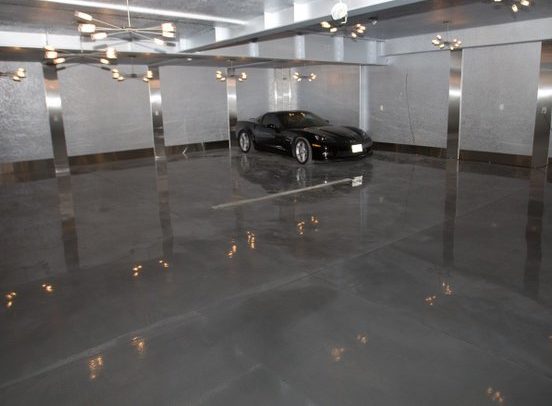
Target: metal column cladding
[
  {"x": 61, "y": 164},
  {"x": 232, "y": 102},
  {"x": 157, "y": 114},
  {"x": 55, "y": 114},
  {"x": 455, "y": 100},
  {"x": 541, "y": 140},
  {"x": 162, "y": 178}
]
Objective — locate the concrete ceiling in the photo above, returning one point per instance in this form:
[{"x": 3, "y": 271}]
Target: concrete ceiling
[{"x": 397, "y": 18}]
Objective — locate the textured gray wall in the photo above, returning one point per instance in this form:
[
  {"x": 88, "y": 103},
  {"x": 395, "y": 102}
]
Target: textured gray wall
[
  {"x": 24, "y": 127},
  {"x": 499, "y": 98},
  {"x": 103, "y": 115},
  {"x": 334, "y": 94},
  {"x": 254, "y": 93},
  {"x": 409, "y": 99},
  {"x": 194, "y": 105}
]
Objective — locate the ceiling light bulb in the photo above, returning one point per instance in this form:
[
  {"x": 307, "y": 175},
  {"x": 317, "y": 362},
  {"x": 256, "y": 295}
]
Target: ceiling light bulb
[
  {"x": 87, "y": 28},
  {"x": 515, "y": 8},
  {"x": 120, "y": 78},
  {"x": 339, "y": 11},
  {"x": 83, "y": 16},
  {"x": 145, "y": 79},
  {"x": 57, "y": 61},
  {"x": 325, "y": 24},
  {"x": 16, "y": 78},
  {"x": 149, "y": 74},
  {"x": 98, "y": 35},
  {"x": 111, "y": 53},
  {"x": 21, "y": 73},
  {"x": 104, "y": 61},
  {"x": 442, "y": 46},
  {"x": 299, "y": 79},
  {"x": 115, "y": 75},
  {"x": 525, "y": 3},
  {"x": 50, "y": 54},
  {"x": 115, "y": 70},
  {"x": 49, "y": 48},
  {"x": 333, "y": 29},
  {"x": 353, "y": 34},
  {"x": 169, "y": 27},
  {"x": 168, "y": 34}
]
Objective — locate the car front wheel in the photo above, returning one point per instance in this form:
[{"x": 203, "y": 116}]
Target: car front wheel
[
  {"x": 302, "y": 151},
  {"x": 244, "y": 140}
]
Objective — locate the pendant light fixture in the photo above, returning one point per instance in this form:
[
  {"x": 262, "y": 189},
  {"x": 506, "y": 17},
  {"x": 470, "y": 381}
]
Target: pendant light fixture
[
  {"x": 444, "y": 42},
  {"x": 230, "y": 73},
  {"x": 514, "y": 5},
  {"x": 54, "y": 56},
  {"x": 299, "y": 76},
  {"x": 97, "y": 29},
  {"x": 120, "y": 76},
  {"x": 350, "y": 31},
  {"x": 15, "y": 75}
]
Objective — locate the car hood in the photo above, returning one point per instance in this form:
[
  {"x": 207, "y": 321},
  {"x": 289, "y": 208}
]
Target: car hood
[{"x": 337, "y": 134}]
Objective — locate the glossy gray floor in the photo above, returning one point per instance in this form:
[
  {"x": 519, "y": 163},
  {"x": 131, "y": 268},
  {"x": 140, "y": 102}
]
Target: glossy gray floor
[{"x": 429, "y": 284}]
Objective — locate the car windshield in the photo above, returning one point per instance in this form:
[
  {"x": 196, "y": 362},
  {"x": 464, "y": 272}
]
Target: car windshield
[{"x": 301, "y": 119}]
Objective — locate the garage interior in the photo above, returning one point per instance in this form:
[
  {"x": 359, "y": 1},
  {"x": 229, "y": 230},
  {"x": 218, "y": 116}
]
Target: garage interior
[{"x": 145, "y": 259}]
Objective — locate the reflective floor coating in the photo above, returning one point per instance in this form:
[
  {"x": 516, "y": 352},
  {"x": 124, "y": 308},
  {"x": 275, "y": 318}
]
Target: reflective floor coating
[{"x": 430, "y": 283}]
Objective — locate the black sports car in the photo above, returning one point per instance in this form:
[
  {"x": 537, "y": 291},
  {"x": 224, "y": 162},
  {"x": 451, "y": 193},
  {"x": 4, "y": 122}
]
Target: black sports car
[{"x": 303, "y": 135}]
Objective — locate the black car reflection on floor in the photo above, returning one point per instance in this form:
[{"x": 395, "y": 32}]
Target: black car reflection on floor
[{"x": 303, "y": 135}]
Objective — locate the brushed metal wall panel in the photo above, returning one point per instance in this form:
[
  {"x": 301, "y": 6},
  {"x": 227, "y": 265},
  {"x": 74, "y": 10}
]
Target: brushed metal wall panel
[
  {"x": 454, "y": 108},
  {"x": 194, "y": 105},
  {"x": 334, "y": 94},
  {"x": 156, "y": 106},
  {"x": 409, "y": 99},
  {"x": 498, "y": 92},
  {"x": 543, "y": 117},
  {"x": 24, "y": 128},
  {"x": 254, "y": 94},
  {"x": 55, "y": 114},
  {"x": 102, "y": 115}
]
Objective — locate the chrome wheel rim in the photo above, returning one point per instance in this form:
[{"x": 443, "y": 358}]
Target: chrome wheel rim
[
  {"x": 244, "y": 142},
  {"x": 301, "y": 151}
]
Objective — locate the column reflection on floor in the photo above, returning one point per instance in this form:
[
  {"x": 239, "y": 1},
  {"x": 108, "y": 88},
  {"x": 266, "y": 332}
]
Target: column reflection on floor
[{"x": 533, "y": 232}]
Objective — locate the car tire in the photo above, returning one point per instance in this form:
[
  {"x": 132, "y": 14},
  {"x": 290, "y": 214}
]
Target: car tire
[
  {"x": 244, "y": 141},
  {"x": 302, "y": 151}
]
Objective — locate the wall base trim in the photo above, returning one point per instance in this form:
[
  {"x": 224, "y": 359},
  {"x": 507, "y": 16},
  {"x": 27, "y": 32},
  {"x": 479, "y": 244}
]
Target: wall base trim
[
  {"x": 496, "y": 158},
  {"x": 411, "y": 149},
  {"x": 197, "y": 147},
  {"x": 44, "y": 168}
]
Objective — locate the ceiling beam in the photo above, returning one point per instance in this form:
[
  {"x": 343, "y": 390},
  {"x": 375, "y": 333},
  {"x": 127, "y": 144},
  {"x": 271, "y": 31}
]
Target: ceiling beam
[{"x": 301, "y": 15}]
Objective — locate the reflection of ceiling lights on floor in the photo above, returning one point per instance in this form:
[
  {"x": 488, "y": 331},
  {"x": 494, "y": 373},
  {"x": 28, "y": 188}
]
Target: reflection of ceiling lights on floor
[
  {"x": 99, "y": 29},
  {"x": 515, "y": 5},
  {"x": 231, "y": 73},
  {"x": 299, "y": 76},
  {"x": 56, "y": 57},
  {"x": 15, "y": 75},
  {"x": 352, "y": 31},
  {"x": 444, "y": 42}
]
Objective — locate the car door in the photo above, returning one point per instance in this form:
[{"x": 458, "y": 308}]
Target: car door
[{"x": 265, "y": 133}]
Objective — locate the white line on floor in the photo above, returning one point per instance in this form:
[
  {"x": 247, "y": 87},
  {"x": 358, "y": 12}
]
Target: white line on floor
[{"x": 275, "y": 195}]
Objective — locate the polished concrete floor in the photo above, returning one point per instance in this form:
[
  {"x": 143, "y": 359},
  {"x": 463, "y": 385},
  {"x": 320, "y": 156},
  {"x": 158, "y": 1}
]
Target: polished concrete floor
[{"x": 428, "y": 284}]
